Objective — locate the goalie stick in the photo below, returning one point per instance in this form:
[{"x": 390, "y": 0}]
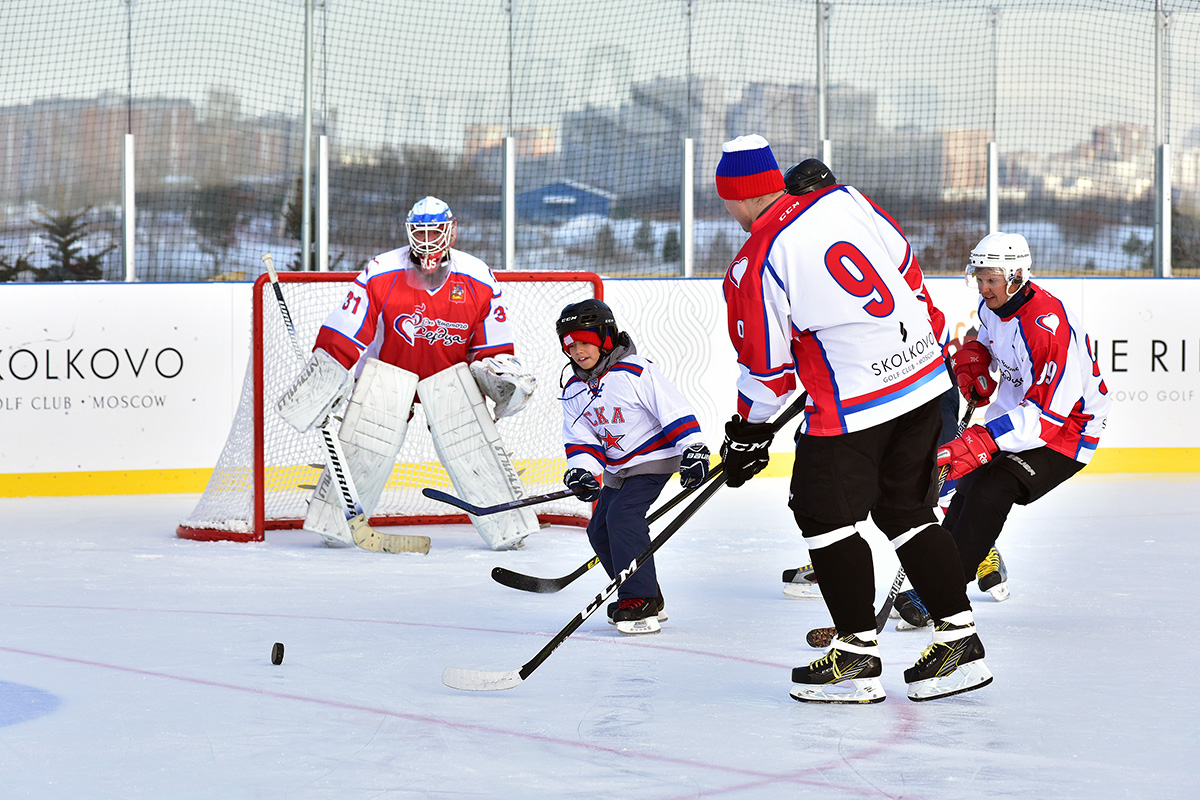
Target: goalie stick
[
  {"x": 483, "y": 681},
  {"x": 528, "y": 583},
  {"x": 483, "y": 511},
  {"x": 821, "y": 637},
  {"x": 361, "y": 531}
]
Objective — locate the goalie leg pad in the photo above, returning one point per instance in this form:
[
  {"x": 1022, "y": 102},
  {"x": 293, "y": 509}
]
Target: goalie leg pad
[
  {"x": 372, "y": 434},
  {"x": 469, "y": 447}
]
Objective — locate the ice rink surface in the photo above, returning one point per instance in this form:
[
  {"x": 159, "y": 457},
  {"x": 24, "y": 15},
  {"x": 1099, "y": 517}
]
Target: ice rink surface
[{"x": 134, "y": 664}]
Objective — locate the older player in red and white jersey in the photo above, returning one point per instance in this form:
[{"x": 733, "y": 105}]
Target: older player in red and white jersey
[
  {"x": 827, "y": 291},
  {"x": 425, "y": 321},
  {"x": 1046, "y": 412}
]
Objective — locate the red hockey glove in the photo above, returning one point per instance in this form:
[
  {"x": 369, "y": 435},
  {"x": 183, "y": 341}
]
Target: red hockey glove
[
  {"x": 970, "y": 364},
  {"x": 970, "y": 451}
]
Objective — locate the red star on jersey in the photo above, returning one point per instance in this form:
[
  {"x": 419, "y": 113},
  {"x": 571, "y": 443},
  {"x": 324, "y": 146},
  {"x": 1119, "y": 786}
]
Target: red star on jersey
[{"x": 612, "y": 442}]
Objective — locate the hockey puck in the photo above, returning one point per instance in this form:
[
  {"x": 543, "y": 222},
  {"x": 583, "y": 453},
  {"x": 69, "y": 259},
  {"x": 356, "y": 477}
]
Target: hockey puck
[{"x": 277, "y": 653}]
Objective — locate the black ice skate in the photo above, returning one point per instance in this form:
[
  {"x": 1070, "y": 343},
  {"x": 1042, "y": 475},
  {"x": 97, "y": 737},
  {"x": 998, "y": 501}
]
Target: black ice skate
[
  {"x": 910, "y": 612},
  {"x": 952, "y": 664},
  {"x": 662, "y": 614},
  {"x": 848, "y": 673},
  {"x": 801, "y": 582},
  {"x": 992, "y": 575},
  {"x": 636, "y": 615}
]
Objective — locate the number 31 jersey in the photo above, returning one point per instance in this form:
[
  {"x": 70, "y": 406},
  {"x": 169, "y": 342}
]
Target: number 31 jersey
[
  {"x": 826, "y": 290},
  {"x": 416, "y": 329}
]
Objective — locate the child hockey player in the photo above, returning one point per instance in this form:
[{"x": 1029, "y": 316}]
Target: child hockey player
[{"x": 622, "y": 418}]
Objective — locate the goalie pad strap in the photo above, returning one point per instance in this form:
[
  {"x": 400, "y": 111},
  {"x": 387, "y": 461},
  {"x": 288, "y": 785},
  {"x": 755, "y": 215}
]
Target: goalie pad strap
[
  {"x": 372, "y": 434},
  {"x": 469, "y": 447}
]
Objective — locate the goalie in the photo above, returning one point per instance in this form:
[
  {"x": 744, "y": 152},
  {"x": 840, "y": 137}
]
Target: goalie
[{"x": 423, "y": 323}]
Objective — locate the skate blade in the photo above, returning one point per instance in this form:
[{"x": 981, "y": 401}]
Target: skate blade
[
  {"x": 999, "y": 592},
  {"x": 637, "y": 627},
  {"x": 970, "y": 676},
  {"x": 801, "y": 591},
  {"x": 904, "y": 625},
  {"x": 854, "y": 692}
]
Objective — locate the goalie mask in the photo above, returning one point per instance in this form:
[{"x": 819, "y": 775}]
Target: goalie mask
[
  {"x": 1007, "y": 253},
  {"x": 431, "y": 227},
  {"x": 588, "y": 321}
]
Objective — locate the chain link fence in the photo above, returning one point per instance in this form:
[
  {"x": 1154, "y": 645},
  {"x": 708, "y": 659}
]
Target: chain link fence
[{"x": 416, "y": 98}]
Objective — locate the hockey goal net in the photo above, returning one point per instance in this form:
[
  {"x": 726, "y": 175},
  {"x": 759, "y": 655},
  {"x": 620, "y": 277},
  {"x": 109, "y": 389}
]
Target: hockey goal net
[{"x": 265, "y": 473}]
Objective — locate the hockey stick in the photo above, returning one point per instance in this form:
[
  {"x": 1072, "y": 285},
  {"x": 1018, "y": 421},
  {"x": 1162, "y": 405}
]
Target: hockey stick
[
  {"x": 528, "y": 583},
  {"x": 483, "y": 511},
  {"x": 821, "y": 637},
  {"x": 482, "y": 681},
  {"x": 361, "y": 531}
]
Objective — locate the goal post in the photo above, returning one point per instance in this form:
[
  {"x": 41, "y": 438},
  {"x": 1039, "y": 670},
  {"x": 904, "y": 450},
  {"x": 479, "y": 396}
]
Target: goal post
[{"x": 264, "y": 476}]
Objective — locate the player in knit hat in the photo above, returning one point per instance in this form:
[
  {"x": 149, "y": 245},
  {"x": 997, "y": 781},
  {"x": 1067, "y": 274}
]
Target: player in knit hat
[{"x": 826, "y": 292}]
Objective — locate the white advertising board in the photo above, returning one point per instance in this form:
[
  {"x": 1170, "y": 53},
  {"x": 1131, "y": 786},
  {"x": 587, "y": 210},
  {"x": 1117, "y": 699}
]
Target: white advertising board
[
  {"x": 123, "y": 378},
  {"x": 98, "y": 376}
]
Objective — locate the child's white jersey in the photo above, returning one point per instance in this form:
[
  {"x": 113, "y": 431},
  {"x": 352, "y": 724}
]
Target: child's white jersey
[{"x": 628, "y": 416}]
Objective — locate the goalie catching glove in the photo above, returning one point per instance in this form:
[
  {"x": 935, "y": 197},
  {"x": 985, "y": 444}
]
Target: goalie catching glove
[
  {"x": 744, "y": 451},
  {"x": 506, "y": 381},
  {"x": 583, "y": 484},
  {"x": 693, "y": 469},
  {"x": 317, "y": 391},
  {"x": 968, "y": 452}
]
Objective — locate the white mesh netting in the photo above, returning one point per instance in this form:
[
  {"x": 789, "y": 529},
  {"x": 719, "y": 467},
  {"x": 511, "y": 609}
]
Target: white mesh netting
[{"x": 291, "y": 462}]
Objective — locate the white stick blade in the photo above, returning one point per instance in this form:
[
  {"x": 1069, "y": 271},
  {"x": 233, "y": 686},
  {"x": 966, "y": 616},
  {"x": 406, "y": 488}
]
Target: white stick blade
[{"x": 473, "y": 680}]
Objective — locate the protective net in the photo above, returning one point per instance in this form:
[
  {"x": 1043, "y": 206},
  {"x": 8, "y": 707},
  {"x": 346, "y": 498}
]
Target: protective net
[
  {"x": 267, "y": 470},
  {"x": 415, "y": 98}
]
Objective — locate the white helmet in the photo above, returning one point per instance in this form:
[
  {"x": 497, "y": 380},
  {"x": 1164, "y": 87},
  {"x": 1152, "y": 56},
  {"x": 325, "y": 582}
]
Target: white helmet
[
  {"x": 1006, "y": 252},
  {"x": 432, "y": 228}
]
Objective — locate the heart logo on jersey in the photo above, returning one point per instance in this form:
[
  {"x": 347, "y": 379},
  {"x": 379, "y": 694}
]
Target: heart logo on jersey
[
  {"x": 736, "y": 270},
  {"x": 1048, "y": 322}
]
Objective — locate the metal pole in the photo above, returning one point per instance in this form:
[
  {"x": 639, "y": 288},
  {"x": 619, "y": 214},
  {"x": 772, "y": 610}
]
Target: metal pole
[
  {"x": 306, "y": 180},
  {"x": 993, "y": 187},
  {"x": 323, "y": 203},
  {"x": 823, "y": 142},
  {"x": 687, "y": 209},
  {"x": 128, "y": 195},
  {"x": 993, "y": 150},
  {"x": 1162, "y": 169},
  {"x": 508, "y": 205}
]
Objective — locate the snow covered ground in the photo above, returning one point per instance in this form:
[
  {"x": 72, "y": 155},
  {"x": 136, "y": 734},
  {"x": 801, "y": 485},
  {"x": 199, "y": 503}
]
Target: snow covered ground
[{"x": 134, "y": 664}]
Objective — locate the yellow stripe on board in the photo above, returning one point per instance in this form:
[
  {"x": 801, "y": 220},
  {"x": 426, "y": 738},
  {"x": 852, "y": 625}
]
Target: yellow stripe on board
[
  {"x": 139, "y": 481},
  {"x": 1106, "y": 460},
  {"x": 193, "y": 481}
]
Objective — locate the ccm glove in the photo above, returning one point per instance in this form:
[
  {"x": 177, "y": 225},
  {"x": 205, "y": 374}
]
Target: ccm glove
[
  {"x": 583, "y": 483},
  {"x": 694, "y": 467},
  {"x": 970, "y": 364},
  {"x": 968, "y": 452},
  {"x": 744, "y": 451}
]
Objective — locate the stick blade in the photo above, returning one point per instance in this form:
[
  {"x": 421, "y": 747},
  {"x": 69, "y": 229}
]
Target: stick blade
[
  {"x": 525, "y": 583},
  {"x": 473, "y": 680},
  {"x": 434, "y": 494},
  {"x": 368, "y": 538}
]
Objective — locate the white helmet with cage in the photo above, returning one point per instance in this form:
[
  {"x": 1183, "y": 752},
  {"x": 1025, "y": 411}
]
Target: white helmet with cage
[
  {"x": 432, "y": 228},
  {"x": 1006, "y": 252}
]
